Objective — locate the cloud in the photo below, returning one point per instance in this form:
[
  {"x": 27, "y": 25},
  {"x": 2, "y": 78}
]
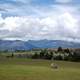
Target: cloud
[
  {"x": 1, "y": 9},
  {"x": 59, "y": 24},
  {"x": 55, "y": 21}
]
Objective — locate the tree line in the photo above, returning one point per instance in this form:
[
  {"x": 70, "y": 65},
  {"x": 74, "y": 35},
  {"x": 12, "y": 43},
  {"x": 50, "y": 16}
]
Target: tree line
[{"x": 59, "y": 54}]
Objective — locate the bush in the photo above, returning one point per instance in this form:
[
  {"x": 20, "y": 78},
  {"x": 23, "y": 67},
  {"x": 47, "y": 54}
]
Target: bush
[
  {"x": 59, "y": 49},
  {"x": 35, "y": 56}
]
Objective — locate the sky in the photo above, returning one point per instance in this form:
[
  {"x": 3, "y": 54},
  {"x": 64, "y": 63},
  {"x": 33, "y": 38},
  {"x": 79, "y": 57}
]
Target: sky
[{"x": 40, "y": 19}]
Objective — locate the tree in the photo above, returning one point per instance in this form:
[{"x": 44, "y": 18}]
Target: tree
[
  {"x": 51, "y": 54},
  {"x": 67, "y": 50},
  {"x": 35, "y": 56},
  {"x": 76, "y": 56},
  {"x": 43, "y": 53},
  {"x": 60, "y": 49},
  {"x": 12, "y": 55}
]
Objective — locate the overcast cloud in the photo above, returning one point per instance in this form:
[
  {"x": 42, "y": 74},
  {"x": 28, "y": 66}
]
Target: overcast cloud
[{"x": 40, "y": 19}]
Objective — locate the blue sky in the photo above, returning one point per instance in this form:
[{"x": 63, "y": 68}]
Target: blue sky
[{"x": 40, "y": 19}]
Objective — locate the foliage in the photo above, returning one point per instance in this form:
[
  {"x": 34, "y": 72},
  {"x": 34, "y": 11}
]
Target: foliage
[
  {"x": 58, "y": 54},
  {"x": 60, "y": 49}
]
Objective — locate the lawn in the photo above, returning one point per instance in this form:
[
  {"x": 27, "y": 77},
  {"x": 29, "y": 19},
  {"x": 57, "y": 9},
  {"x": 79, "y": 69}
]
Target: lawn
[{"x": 28, "y": 69}]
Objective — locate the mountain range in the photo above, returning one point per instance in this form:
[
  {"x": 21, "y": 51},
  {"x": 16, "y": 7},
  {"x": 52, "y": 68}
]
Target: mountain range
[{"x": 33, "y": 44}]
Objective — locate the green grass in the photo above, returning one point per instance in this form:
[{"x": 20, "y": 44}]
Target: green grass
[{"x": 27, "y": 69}]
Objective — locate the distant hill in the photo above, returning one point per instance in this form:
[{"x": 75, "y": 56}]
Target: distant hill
[
  {"x": 15, "y": 45},
  {"x": 32, "y": 44}
]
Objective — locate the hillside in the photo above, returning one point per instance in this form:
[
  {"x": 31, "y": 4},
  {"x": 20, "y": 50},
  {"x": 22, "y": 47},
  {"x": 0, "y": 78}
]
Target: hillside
[{"x": 32, "y": 44}]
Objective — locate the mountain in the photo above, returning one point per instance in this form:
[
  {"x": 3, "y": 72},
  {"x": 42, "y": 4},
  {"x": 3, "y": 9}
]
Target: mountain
[
  {"x": 15, "y": 45},
  {"x": 54, "y": 43},
  {"x": 32, "y": 44}
]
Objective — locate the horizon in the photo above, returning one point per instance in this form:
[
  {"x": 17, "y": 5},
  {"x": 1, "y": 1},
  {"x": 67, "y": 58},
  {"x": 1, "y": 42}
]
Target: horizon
[
  {"x": 40, "y": 19},
  {"x": 39, "y": 40}
]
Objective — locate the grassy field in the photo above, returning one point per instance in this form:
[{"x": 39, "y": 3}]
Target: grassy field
[{"x": 28, "y": 69}]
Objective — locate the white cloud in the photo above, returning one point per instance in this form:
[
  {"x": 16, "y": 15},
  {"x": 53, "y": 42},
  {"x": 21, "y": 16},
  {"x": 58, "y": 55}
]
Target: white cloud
[
  {"x": 63, "y": 26},
  {"x": 57, "y": 22}
]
